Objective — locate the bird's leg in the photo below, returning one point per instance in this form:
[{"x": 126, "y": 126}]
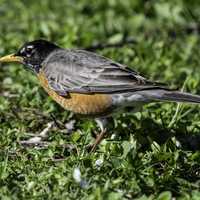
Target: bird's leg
[{"x": 101, "y": 122}]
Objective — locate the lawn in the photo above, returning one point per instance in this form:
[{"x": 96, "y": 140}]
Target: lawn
[{"x": 152, "y": 154}]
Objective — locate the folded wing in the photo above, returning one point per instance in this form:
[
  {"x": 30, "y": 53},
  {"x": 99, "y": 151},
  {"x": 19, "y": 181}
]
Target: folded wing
[{"x": 85, "y": 72}]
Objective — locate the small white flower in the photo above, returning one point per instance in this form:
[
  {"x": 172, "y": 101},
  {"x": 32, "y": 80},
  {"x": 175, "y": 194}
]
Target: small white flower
[
  {"x": 77, "y": 175},
  {"x": 98, "y": 162},
  {"x": 113, "y": 136}
]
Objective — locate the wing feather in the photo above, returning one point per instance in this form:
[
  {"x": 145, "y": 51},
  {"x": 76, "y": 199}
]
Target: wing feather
[{"x": 85, "y": 72}]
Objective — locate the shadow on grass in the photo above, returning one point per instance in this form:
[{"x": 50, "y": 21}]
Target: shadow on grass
[{"x": 149, "y": 130}]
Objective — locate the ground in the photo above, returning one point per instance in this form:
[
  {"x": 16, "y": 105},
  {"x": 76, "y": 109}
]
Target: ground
[{"x": 152, "y": 154}]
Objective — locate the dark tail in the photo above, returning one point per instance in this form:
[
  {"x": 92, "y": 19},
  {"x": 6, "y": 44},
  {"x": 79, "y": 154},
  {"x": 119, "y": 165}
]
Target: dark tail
[{"x": 170, "y": 95}]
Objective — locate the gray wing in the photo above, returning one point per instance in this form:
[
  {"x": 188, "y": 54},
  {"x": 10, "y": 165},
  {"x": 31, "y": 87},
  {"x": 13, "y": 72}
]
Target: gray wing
[{"x": 85, "y": 72}]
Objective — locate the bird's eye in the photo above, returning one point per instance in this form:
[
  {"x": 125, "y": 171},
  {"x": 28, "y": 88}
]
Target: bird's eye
[{"x": 28, "y": 50}]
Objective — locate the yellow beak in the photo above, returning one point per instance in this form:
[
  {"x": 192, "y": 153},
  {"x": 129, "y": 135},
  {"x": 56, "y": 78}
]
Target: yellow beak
[{"x": 11, "y": 58}]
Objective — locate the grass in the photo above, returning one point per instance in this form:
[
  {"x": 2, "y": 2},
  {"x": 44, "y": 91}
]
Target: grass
[{"x": 153, "y": 154}]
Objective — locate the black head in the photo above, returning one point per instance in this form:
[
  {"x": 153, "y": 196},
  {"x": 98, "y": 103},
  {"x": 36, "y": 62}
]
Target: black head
[
  {"x": 32, "y": 54},
  {"x": 35, "y": 52}
]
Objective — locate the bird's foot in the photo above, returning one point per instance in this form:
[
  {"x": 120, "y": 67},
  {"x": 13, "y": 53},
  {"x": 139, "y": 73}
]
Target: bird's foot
[{"x": 92, "y": 147}]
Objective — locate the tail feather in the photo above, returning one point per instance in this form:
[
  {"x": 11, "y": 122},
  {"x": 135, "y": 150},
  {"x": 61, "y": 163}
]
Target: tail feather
[{"x": 170, "y": 95}]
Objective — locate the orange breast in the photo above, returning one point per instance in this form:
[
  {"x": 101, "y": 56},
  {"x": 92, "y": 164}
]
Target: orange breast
[{"x": 87, "y": 104}]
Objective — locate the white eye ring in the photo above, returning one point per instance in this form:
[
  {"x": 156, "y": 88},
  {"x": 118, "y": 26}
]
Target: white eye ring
[
  {"x": 22, "y": 51},
  {"x": 28, "y": 55},
  {"x": 30, "y": 47}
]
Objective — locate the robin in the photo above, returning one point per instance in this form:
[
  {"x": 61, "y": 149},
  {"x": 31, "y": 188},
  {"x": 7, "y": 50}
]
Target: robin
[{"x": 89, "y": 84}]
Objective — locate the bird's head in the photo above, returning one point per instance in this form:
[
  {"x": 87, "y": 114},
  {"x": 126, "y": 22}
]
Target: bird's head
[{"x": 31, "y": 54}]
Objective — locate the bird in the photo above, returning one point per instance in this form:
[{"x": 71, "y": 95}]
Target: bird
[{"x": 91, "y": 85}]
